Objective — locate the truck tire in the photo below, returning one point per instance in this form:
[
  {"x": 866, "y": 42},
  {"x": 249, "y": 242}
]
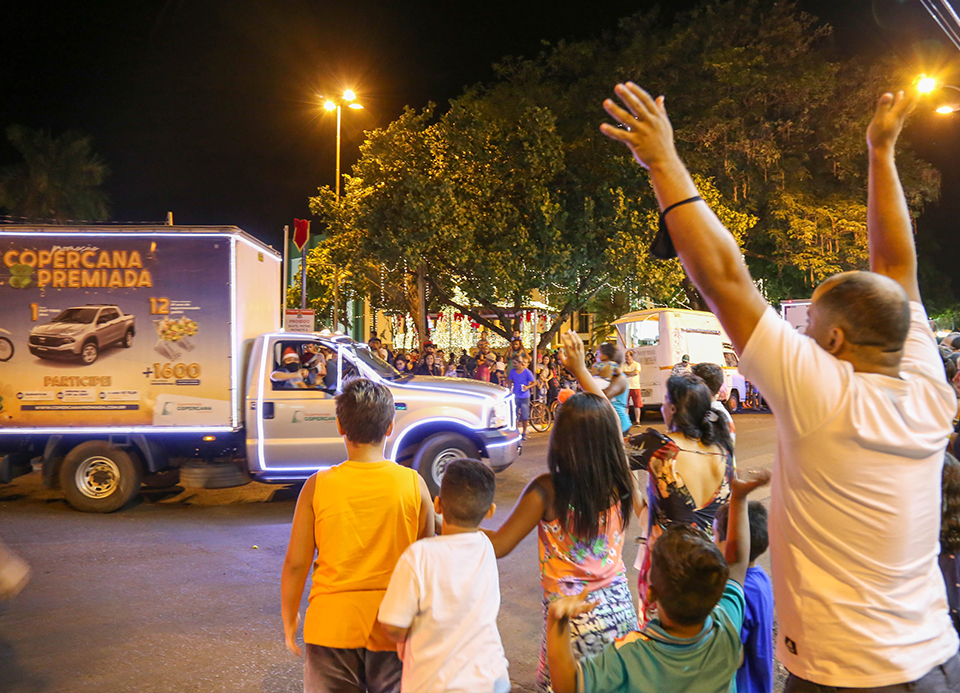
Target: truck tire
[
  {"x": 196, "y": 474},
  {"x": 436, "y": 452},
  {"x": 733, "y": 401},
  {"x": 97, "y": 477},
  {"x": 127, "y": 340},
  {"x": 89, "y": 352},
  {"x": 6, "y": 349}
]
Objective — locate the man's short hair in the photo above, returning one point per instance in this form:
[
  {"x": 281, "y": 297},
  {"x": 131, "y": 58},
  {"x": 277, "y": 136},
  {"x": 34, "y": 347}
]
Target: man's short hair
[
  {"x": 374, "y": 339},
  {"x": 872, "y": 309},
  {"x": 687, "y": 573},
  {"x": 759, "y": 539},
  {"x": 365, "y": 410},
  {"x": 466, "y": 491},
  {"x": 711, "y": 374}
]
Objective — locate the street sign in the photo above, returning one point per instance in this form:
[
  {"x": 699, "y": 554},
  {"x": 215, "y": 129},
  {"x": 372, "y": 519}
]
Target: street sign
[{"x": 299, "y": 320}]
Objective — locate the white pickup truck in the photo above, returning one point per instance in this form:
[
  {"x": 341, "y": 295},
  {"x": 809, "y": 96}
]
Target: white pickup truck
[{"x": 200, "y": 392}]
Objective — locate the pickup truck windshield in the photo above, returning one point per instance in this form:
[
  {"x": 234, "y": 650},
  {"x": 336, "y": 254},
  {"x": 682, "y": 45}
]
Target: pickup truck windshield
[
  {"x": 383, "y": 369},
  {"x": 83, "y": 316}
]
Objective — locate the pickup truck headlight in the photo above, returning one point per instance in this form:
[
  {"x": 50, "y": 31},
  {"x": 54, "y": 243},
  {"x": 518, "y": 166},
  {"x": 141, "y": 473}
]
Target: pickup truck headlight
[{"x": 500, "y": 416}]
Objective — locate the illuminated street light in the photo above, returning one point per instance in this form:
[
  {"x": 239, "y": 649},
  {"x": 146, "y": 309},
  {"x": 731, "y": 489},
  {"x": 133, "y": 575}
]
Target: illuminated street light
[
  {"x": 348, "y": 95},
  {"x": 926, "y": 85},
  {"x": 330, "y": 105},
  {"x": 946, "y": 109}
]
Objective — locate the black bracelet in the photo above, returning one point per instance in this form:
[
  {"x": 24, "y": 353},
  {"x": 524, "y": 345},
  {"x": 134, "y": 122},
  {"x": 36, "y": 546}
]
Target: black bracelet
[{"x": 662, "y": 246}]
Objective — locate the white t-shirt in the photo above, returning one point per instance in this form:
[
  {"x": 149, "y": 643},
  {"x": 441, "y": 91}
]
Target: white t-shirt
[
  {"x": 446, "y": 590},
  {"x": 632, "y": 371},
  {"x": 855, "y": 507}
]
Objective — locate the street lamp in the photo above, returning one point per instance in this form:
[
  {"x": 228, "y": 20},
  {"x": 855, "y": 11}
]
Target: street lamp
[
  {"x": 348, "y": 99},
  {"x": 927, "y": 85}
]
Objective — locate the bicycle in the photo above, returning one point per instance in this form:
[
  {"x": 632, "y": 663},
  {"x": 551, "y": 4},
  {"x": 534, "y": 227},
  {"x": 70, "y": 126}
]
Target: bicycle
[{"x": 541, "y": 416}]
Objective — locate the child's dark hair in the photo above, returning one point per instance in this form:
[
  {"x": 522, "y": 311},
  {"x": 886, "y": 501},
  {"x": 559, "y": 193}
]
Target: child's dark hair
[
  {"x": 711, "y": 374},
  {"x": 588, "y": 465},
  {"x": 610, "y": 350},
  {"x": 466, "y": 491},
  {"x": 759, "y": 538},
  {"x": 687, "y": 573},
  {"x": 694, "y": 418},
  {"x": 365, "y": 411},
  {"x": 950, "y": 505}
]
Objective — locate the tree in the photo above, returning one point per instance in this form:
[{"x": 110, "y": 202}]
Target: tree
[
  {"x": 514, "y": 189},
  {"x": 58, "y": 180}
]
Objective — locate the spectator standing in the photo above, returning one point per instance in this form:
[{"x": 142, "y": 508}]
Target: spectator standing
[
  {"x": 428, "y": 366},
  {"x": 694, "y": 645},
  {"x": 863, "y": 417},
  {"x": 353, "y": 522},
  {"x": 444, "y": 596},
  {"x": 949, "y": 559},
  {"x": 400, "y": 363},
  {"x": 616, "y": 389},
  {"x": 516, "y": 350},
  {"x": 484, "y": 368},
  {"x": 683, "y": 367},
  {"x": 580, "y": 510},
  {"x": 689, "y": 469},
  {"x": 523, "y": 381},
  {"x": 631, "y": 369},
  {"x": 712, "y": 375},
  {"x": 756, "y": 673}
]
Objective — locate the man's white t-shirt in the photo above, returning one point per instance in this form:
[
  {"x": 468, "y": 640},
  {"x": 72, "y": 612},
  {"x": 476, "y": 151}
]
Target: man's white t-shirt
[
  {"x": 855, "y": 507},
  {"x": 446, "y": 590},
  {"x": 632, "y": 371}
]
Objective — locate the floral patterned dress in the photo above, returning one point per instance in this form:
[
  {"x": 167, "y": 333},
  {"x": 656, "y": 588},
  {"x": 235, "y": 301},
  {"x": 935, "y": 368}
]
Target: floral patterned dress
[
  {"x": 671, "y": 502},
  {"x": 569, "y": 566}
]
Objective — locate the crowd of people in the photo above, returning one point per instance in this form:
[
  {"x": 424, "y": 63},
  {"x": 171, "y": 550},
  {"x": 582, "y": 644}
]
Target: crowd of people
[{"x": 864, "y": 510}]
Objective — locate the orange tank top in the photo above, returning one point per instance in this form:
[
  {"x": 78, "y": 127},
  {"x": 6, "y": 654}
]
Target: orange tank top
[{"x": 366, "y": 515}]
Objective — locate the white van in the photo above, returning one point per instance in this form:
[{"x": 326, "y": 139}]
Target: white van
[
  {"x": 794, "y": 311},
  {"x": 659, "y": 338}
]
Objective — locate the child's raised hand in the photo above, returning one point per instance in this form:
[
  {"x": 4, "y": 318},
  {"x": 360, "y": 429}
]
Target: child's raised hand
[
  {"x": 572, "y": 354},
  {"x": 743, "y": 487},
  {"x": 566, "y": 608}
]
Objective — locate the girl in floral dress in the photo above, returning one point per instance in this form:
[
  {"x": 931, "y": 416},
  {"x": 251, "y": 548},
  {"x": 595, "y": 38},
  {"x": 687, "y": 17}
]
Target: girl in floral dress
[{"x": 580, "y": 509}]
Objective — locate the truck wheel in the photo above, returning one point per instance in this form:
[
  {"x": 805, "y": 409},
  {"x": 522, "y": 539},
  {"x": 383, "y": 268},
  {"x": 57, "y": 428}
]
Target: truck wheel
[
  {"x": 436, "y": 452},
  {"x": 6, "y": 349},
  {"x": 89, "y": 353},
  {"x": 195, "y": 474},
  {"x": 97, "y": 477},
  {"x": 127, "y": 340},
  {"x": 733, "y": 402}
]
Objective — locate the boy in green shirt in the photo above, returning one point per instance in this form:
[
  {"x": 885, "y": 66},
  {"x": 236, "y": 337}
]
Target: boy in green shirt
[{"x": 694, "y": 644}]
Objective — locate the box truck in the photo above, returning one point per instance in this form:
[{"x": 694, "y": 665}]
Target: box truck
[
  {"x": 130, "y": 350},
  {"x": 659, "y": 338}
]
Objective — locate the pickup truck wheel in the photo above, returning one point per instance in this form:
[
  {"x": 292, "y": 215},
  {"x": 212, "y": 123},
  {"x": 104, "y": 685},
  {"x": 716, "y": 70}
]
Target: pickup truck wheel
[
  {"x": 6, "y": 349},
  {"x": 127, "y": 340},
  {"x": 89, "y": 353},
  {"x": 97, "y": 477},
  {"x": 436, "y": 452}
]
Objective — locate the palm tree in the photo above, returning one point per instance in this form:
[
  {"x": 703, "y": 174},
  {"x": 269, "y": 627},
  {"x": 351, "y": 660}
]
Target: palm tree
[{"x": 57, "y": 182}]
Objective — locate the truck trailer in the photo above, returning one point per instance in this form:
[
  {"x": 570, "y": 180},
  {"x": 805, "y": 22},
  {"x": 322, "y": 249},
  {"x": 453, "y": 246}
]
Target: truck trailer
[{"x": 134, "y": 349}]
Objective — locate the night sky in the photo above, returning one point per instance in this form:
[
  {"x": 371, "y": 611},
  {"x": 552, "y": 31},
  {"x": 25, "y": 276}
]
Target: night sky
[{"x": 211, "y": 109}]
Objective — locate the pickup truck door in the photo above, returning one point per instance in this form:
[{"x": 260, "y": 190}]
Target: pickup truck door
[
  {"x": 299, "y": 428},
  {"x": 108, "y": 326}
]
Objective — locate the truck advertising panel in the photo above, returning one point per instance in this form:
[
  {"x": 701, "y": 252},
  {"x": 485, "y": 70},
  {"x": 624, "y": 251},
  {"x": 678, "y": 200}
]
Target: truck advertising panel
[{"x": 115, "y": 329}]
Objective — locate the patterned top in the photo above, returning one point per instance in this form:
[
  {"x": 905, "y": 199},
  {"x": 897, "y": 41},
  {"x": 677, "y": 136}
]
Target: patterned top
[
  {"x": 670, "y": 499},
  {"x": 569, "y": 566}
]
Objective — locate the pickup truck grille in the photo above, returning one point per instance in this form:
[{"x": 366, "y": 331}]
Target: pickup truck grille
[{"x": 41, "y": 340}]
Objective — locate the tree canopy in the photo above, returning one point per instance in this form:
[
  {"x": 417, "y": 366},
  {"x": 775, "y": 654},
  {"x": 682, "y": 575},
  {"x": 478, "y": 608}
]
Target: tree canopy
[
  {"x": 514, "y": 190},
  {"x": 58, "y": 180}
]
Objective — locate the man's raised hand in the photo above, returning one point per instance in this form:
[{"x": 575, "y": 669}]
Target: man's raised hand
[
  {"x": 892, "y": 111},
  {"x": 646, "y": 128}
]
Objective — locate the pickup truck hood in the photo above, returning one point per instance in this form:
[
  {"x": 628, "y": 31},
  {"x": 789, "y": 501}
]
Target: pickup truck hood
[
  {"x": 477, "y": 387},
  {"x": 59, "y": 329}
]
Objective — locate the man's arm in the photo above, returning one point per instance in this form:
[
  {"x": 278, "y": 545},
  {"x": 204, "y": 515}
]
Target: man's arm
[
  {"x": 709, "y": 253},
  {"x": 562, "y": 663},
  {"x": 427, "y": 519},
  {"x": 889, "y": 228},
  {"x": 737, "y": 550},
  {"x": 296, "y": 564}
]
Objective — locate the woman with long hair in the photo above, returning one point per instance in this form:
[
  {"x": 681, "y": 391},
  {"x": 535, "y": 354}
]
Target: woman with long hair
[
  {"x": 689, "y": 469},
  {"x": 580, "y": 509},
  {"x": 428, "y": 366}
]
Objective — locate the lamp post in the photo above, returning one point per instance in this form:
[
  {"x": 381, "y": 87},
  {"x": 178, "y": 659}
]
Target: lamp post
[{"x": 348, "y": 98}]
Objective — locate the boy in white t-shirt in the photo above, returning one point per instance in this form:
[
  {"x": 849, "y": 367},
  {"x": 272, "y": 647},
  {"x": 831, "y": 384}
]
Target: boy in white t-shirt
[{"x": 444, "y": 595}]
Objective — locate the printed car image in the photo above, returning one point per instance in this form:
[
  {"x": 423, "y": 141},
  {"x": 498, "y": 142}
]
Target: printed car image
[{"x": 82, "y": 332}]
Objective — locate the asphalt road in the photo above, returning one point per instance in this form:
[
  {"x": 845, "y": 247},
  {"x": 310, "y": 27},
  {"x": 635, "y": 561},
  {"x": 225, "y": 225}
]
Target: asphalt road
[{"x": 181, "y": 592}]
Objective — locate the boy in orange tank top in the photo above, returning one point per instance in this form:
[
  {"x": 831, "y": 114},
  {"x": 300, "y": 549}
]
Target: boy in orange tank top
[{"x": 352, "y": 522}]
